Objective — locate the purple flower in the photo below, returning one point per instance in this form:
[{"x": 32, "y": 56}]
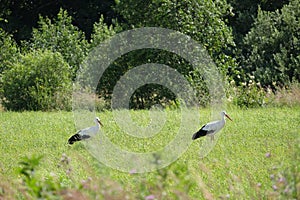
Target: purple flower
[
  {"x": 268, "y": 155},
  {"x": 281, "y": 180},
  {"x": 258, "y": 184},
  {"x": 133, "y": 171},
  {"x": 150, "y": 197},
  {"x": 274, "y": 187}
]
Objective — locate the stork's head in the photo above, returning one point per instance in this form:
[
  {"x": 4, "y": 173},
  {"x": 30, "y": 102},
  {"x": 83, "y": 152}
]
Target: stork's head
[
  {"x": 223, "y": 113},
  {"x": 97, "y": 120}
]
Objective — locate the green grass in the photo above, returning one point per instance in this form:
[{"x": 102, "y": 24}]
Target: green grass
[{"x": 236, "y": 168}]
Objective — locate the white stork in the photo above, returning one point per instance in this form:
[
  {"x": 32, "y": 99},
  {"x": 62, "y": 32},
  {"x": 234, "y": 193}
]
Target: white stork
[
  {"x": 86, "y": 133},
  {"x": 212, "y": 128}
]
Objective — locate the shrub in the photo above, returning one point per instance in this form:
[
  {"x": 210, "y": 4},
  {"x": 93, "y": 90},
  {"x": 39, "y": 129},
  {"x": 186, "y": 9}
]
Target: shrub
[
  {"x": 247, "y": 95},
  {"x": 40, "y": 81}
]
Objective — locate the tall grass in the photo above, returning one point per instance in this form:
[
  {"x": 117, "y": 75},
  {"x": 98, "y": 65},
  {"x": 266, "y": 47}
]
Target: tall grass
[{"x": 255, "y": 157}]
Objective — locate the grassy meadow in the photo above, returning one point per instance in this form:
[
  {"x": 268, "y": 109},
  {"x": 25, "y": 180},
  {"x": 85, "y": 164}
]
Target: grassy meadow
[{"x": 255, "y": 157}]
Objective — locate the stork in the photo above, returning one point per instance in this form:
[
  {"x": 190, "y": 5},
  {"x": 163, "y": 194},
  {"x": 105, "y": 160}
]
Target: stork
[
  {"x": 86, "y": 133},
  {"x": 212, "y": 128}
]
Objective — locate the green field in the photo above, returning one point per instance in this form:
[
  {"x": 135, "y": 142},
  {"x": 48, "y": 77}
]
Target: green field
[{"x": 255, "y": 157}]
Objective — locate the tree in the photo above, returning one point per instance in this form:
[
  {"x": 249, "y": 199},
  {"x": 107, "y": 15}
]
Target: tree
[
  {"x": 103, "y": 31},
  {"x": 60, "y": 36},
  {"x": 245, "y": 12},
  {"x": 202, "y": 20},
  {"x": 22, "y": 15},
  {"x": 273, "y": 45},
  {"x": 9, "y": 51}
]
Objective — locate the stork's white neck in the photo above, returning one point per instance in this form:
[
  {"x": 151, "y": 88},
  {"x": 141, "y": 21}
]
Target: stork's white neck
[{"x": 223, "y": 116}]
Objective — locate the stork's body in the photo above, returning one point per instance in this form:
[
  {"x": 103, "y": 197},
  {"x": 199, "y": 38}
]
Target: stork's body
[
  {"x": 86, "y": 133},
  {"x": 212, "y": 128}
]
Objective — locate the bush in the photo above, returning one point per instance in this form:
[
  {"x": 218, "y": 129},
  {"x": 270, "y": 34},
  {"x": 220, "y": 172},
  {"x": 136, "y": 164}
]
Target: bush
[
  {"x": 247, "y": 95},
  {"x": 40, "y": 81}
]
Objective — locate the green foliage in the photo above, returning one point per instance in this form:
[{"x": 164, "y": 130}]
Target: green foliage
[
  {"x": 248, "y": 38},
  {"x": 37, "y": 188},
  {"x": 274, "y": 46},
  {"x": 28, "y": 166},
  {"x": 245, "y": 12},
  {"x": 247, "y": 95},
  {"x": 202, "y": 20},
  {"x": 9, "y": 52},
  {"x": 102, "y": 31},
  {"x": 60, "y": 36},
  {"x": 39, "y": 81},
  {"x": 20, "y": 15}
]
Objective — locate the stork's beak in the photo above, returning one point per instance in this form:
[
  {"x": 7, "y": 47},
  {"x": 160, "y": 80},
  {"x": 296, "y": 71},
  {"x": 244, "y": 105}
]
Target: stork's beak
[
  {"x": 100, "y": 122},
  {"x": 228, "y": 117}
]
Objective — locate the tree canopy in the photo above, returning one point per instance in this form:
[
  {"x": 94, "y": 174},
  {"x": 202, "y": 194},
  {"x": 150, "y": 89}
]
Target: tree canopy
[{"x": 248, "y": 40}]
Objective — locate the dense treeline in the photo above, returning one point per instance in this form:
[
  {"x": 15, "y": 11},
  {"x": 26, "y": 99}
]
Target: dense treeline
[
  {"x": 255, "y": 44},
  {"x": 20, "y": 16}
]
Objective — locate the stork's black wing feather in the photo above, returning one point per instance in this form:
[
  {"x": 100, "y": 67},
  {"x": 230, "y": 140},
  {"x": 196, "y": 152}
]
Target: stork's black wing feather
[
  {"x": 77, "y": 137},
  {"x": 200, "y": 133}
]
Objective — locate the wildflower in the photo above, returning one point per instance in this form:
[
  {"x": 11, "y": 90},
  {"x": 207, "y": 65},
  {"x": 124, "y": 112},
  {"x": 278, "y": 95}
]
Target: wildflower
[
  {"x": 268, "y": 155},
  {"x": 150, "y": 197},
  {"x": 52, "y": 174},
  {"x": 274, "y": 187},
  {"x": 281, "y": 180},
  {"x": 68, "y": 171},
  {"x": 84, "y": 184},
  {"x": 133, "y": 171},
  {"x": 269, "y": 90},
  {"x": 258, "y": 184}
]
